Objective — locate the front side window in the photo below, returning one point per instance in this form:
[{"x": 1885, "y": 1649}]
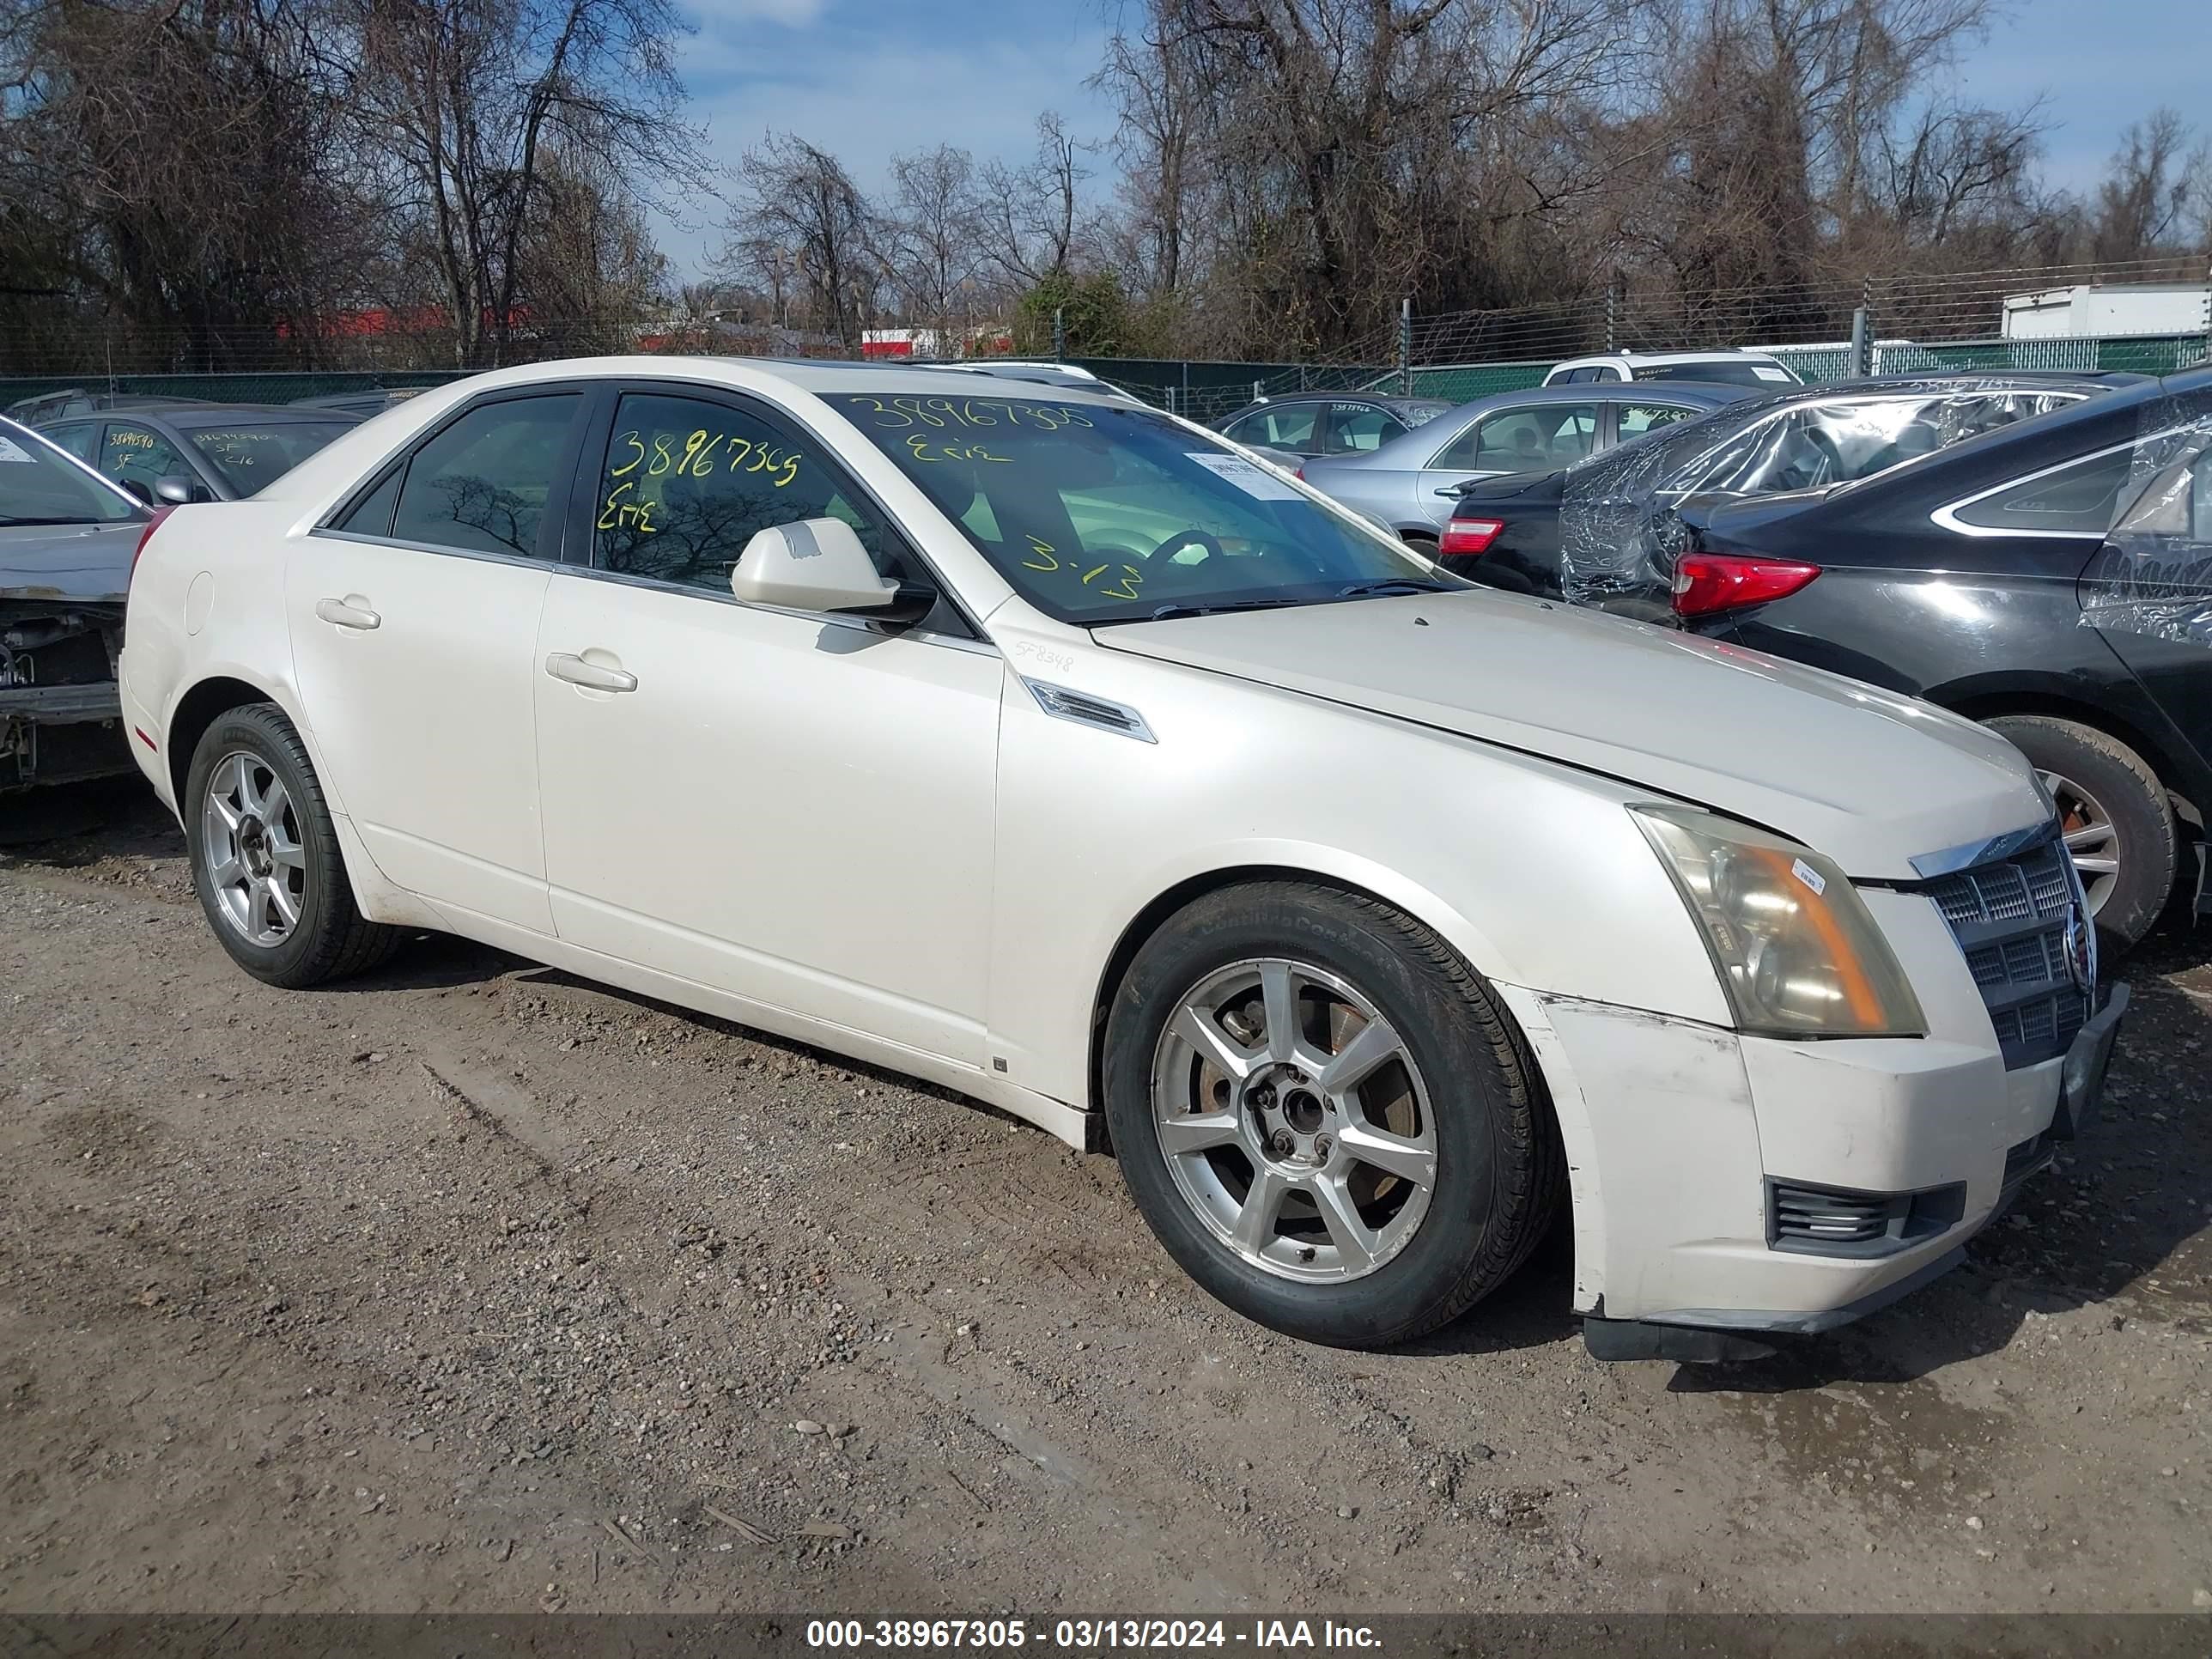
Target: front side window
[
  {"x": 134, "y": 454},
  {"x": 686, "y": 483},
  {"x": 249, "y": 456},
  {"x": 38, "y": 486},
  {"x": 481, "y": 483},
  {"x": 1360, "y": 429},
  {"x": 1291, "y": 428},
  {"x": 1098, "y": 513}
]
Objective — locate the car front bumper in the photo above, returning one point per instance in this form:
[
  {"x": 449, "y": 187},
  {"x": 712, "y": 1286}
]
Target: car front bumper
[{"x": 1697, "y": 1154}]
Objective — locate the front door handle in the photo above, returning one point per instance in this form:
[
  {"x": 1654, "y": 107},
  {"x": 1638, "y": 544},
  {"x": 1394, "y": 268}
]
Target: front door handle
[
  {"x": 343, "y": 615},
  {"x": 566, "y": 665}
]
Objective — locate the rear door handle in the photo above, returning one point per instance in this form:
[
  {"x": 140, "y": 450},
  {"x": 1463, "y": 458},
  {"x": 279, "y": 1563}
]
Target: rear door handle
[
  {"x": 342, "y": 615},
  {"x": 566, "y": 665}
]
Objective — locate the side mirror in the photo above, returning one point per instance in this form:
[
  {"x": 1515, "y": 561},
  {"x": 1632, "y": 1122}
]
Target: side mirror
[
  {"x": 819, "y": 564},
  {"x": 179, "y": 490}
]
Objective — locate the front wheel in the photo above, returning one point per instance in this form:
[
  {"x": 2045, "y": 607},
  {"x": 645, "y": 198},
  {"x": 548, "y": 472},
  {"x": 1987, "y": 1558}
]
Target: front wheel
[
  {"x": 265, "y": 856},
  {"x": 2118, "y": 825},
  {"x": 1323, "y": 1115}
]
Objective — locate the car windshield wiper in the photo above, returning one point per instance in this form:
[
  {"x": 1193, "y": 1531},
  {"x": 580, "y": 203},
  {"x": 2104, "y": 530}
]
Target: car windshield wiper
[
  {"x": 1167, "y": 611},
  {"x": 9, "y": 521},
  {"x": 1394, "y": 585}
]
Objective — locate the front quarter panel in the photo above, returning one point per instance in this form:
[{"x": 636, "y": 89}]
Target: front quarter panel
[{"x": 1533, "y": 872}]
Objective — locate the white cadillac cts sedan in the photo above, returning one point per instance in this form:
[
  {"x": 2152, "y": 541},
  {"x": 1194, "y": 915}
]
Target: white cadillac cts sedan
[{"x": 1022, "y": 738}]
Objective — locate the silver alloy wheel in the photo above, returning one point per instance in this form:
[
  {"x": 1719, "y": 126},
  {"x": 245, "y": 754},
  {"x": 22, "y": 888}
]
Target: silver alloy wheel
[
  {"x": 2092, "y": 839},
  {"x": 1294, "y": 1120},
  {"x": 250, "y": 852}
]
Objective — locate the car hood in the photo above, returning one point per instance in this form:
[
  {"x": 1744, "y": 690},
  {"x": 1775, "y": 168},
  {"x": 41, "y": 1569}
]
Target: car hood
[
  {"x": 89, "y": 562},
  {"x": 1866, "y": 777}
]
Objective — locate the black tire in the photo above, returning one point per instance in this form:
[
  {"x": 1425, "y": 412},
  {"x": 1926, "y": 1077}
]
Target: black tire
[
  {"x": 331, "y": 939},
  {"x": 1500, "y": 1168},
  {"x": 2150, "y": 843}
]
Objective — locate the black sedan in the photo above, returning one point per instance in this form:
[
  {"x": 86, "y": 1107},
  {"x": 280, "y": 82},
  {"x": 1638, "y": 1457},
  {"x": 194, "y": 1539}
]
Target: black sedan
[
  {"x": 194, "y": 451},
  {"x": 2053, "y": 579},
  {"x": 1604, "y": 532}
]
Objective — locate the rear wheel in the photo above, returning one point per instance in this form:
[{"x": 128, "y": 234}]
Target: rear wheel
[
  {"x": 2118, "y": 825},
  {"x": 1324, "y": 1115},
  {"x": 265, "y": 856}
]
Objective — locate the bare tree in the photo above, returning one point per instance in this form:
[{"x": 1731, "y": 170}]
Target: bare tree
[
  {"x": 2157, "y": 198},
  {"x": 801, "y": 217},
  {"x": 182, "y": 165},
  {"x": 1032, "y": 214},
  {"x": 931, "y": 237},
  {"x": 465, "y": 100}
]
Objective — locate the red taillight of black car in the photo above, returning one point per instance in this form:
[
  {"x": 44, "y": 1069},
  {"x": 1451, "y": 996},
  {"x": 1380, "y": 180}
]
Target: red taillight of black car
[
  {"x": 1471, "y": 537},
  {"x": 1706, "y": 582}
]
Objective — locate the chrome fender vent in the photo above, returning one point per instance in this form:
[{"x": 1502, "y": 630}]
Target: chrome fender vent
[{"x": 1083, "y": 709}]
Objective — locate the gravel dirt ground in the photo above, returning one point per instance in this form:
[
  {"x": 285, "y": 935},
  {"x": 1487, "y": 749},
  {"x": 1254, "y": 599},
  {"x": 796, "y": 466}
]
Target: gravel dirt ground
[{"x": 471, "y": 1286}]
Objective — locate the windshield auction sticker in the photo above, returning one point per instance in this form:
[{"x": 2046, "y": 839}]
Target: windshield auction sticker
[{"x": 1254, "y": 481}]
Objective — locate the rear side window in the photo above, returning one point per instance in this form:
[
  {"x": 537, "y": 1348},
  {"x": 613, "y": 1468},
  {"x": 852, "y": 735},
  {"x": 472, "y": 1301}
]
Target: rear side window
[
  {"x": 77, "y": 439},
  {"x": 2075, "y": 500},
  {"x": 1533, "y": 440},
  {"x": 1636, "y": 419},
  {"x": 481, "y": 484}
]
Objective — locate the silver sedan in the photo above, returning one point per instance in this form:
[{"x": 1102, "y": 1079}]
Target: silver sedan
[{"x": 1409, "y": 484}]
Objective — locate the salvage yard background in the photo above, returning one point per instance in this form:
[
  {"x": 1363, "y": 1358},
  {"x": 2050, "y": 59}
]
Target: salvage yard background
[{"x": 471, "y": 1286}]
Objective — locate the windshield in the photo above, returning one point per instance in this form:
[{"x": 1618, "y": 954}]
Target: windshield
[
  {"x": 1420, "y": 414},
  {"x": 251, "y": 456},
  {"x": 1726, "y": 373},
  {"x": 1097, "y": 514},
  {"x": 40, "y": 485}
]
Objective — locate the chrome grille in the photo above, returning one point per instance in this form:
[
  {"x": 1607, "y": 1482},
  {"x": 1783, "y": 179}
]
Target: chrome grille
[{"x": 2011, "y": 917}]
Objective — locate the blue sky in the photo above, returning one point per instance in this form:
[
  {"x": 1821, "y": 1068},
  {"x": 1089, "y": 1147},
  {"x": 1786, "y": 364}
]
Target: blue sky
[{"x": 870, "y": 78}]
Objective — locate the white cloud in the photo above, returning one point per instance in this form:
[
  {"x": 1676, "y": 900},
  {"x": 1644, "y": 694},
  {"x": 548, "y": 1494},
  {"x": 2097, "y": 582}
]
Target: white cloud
[{"x": 792, "y": 13}]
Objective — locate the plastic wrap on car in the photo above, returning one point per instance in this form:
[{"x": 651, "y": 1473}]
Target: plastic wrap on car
[
  {"x": 1619, "y": 529},
  {"x": 2152, "y": 576}
]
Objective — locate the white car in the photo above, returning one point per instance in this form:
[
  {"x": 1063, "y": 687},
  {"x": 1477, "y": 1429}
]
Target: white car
[
  {"x": 1046, "y": 746},
  {"x": 1733, "y": 367}
]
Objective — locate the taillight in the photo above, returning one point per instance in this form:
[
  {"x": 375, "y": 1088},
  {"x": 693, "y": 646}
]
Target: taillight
[
  {"x": 147, "y": 535},
  {"x": 1706, "y": 582},
  {"x": 1299, "y": 473},
  {"x": 1470, "y": 535}
]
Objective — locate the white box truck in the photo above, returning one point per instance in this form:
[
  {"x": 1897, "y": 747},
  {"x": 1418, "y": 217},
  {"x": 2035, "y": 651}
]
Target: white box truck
[{"x": 2106, "y": 308}]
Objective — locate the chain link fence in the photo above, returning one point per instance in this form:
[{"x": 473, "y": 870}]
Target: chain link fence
[{"x": 1914, "y": 324}]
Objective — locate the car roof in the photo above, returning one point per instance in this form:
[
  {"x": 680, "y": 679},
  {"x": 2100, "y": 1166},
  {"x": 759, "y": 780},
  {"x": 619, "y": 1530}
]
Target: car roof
[
  {"x": 1380, "y": 399},
  {"x": 1711, "y": 355},
  {"x": 193, "y": 411}
]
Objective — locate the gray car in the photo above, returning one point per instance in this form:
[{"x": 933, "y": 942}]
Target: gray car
[
  {"x": 1410, "y": 483},
  {"x": 66, "y": 538},
  {"x": 194, "y": 451}
]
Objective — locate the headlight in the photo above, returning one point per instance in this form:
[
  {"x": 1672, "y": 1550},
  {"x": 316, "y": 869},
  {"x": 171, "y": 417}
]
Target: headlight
[{"x": 1797, "y": 952}]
